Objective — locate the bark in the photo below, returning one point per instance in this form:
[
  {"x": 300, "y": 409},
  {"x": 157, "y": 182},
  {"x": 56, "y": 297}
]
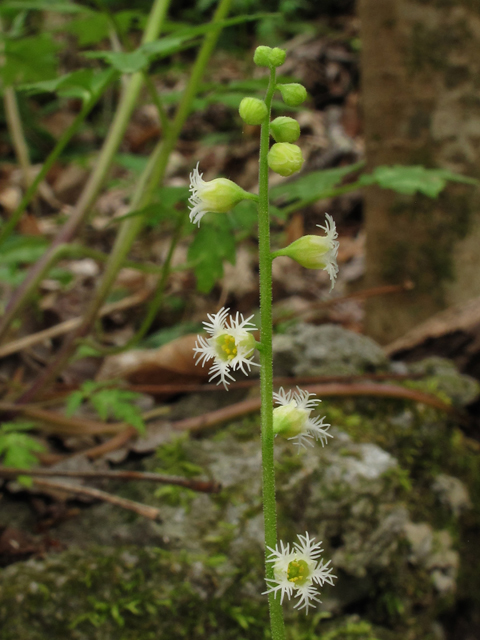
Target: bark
[{"x": 421, "y": 100}]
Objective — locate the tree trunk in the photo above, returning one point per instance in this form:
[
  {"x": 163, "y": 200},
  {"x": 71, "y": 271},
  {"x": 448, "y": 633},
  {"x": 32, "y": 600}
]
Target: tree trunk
[{"x": 421, "y": 101}]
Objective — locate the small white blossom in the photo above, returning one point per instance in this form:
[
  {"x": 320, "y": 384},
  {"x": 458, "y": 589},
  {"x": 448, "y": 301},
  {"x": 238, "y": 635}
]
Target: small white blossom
[
  {"x": 292, "y": 418},
  {"x": 215, "y": 196},
  {"x": 299, "y": 572},
  {"x": 230, "y": 345}
]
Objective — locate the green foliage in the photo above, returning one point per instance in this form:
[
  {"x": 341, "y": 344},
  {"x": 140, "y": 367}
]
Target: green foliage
[
  {"x": 159, "y": 338},
  {"x": 213, "y": 243},
  {"x": 96, "y": 26},
  {"x": 108, "y": 403},
  {"x": 17, "y": 449},
  {"x": 410, "y": 180},
  {"x": 173, "y": 460},
  {"x": 168, "y": 205},
  {"x": 29, "y": 59},
  {"x": 19, "y": 251},
  {"x": 81, "y": 84},
  {"x": 315, "y": 184}
]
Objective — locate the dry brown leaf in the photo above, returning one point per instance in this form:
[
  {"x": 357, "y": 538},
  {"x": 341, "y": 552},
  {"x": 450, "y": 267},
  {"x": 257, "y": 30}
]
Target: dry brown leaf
[{"x": 171, "y": 363}]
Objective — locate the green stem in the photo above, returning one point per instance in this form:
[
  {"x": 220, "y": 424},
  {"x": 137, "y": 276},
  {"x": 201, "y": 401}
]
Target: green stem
[
  {"x": 65, "y": 138},
  {"x": 266, "y": 362}
]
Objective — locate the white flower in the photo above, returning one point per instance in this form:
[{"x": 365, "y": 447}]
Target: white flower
[
  {"x": 299, "y": 571},
  {"x": 217, "y": 196},
  {"x": 316, "y": 252},
  {"x": 230, "y": 345},
  {"x": 292, "y": 419},
  {"x": 330, "y": 257}
]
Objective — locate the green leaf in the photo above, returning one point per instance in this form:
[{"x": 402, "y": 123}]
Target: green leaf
[
  {"x": 412, "y": 179},
  {"x": 164, "y": 336},
  {"x": 74, "y": 400},
  {"x": 121, "y": 61},
  {"x": 119, "y": 404},
  {"x": 90, "y": 30},
  {"x": 314, "y": 185},
  {"x": 212, "y": 244},
  {"x": 166, "y": 207},
  {"x": 44, "y": 5},
  {"x": 29, "y": 59},
  {"x": 17, "y": 448},
  {"x": 22, "y": 250},
  {"x": 78, "y": 84}
]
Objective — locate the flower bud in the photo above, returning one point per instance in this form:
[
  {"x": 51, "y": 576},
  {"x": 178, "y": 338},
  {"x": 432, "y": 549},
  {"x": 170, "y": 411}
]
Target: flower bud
[
  {"x": 261, "y": 56},
  {"x": 316, "y": 252},
  {"x": 217, "y": 196},
  {"x": 277, "y": 57},
  {"x": 253, "y": 110},
  {"x": 293, "y": 94},
  {"x": 289, "y": 420},
  {"x": 285, "y": 158},
  {"x": 284, "y": 129}
]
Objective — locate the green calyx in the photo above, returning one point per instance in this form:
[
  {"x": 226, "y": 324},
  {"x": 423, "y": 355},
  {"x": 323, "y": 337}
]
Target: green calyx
[
  {"x": 221, "y": 195},
  {"x": 311, "y": 252},
  {"x": 298, "y": 572},
  {"x": 268, "y": 57},
  {"x": 284, "y": 129},
  {"x": 227, "y": 347},
  {"x": 285, "y": 158},
  {"x": 288, "y": 420},
  {"x": 253, "y": 111},
  {"x": 293, "y": 94}
]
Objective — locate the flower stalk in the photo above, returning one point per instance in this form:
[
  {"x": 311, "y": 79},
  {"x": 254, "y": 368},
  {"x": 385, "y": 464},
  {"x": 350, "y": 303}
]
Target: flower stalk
[{"x": 266, "y": 362}]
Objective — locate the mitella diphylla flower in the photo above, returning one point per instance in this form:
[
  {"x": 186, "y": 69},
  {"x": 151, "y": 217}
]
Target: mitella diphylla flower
[
  {"x": 230, "y": 345},
  {"x": 299, "y": 572},
  {"x": 215, "y": 196},
  {"x": 292, "y": 418},
  {"x": 316, "y": 252}
]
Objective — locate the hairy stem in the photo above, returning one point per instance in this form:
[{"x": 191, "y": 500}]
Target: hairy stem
[{"x": 266, "y": 361}]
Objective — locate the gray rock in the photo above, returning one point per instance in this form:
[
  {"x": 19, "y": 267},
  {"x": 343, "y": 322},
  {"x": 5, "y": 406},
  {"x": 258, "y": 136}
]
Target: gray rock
[
  {"x": 328, "y": 349},
  {"x": 453, "y": 493},
  {"x": 460, "y": 389}
]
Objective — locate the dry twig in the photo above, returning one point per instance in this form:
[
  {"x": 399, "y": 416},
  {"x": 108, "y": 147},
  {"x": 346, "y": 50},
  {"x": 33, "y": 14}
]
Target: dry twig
[{"x": 203, "y": 486}]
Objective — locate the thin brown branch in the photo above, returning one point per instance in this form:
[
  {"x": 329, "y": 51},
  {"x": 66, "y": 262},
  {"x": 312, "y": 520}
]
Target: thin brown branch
[
  {"x": 137, "y": 507},
  {"x": 363, "y": 294},
  {"x": 189, "y": 483},
  {"x": 70, "y": 325},
  {"x": 252, "y": 405},
  {"x": 60, "y": 423},
  {"x": 168, "y": 389}
]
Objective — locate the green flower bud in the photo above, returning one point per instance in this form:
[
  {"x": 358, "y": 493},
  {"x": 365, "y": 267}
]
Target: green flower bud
[
  {"x": 253, "y": 110},
  {"x": 261, "y": 56},
  {"x": 277, "y": 57},
  {"x": 217, "y": 196},
  {"x": 316, "y": 252},
  {"x": 284, "y": 129},
  {"x": 293, "y": 94},
  {"x": 289, "y": 420},
  {"x": 285, "y": 158}
]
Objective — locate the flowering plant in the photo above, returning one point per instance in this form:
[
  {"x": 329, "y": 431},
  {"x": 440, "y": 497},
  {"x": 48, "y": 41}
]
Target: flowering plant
[{"x": 290, "y": 571}]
